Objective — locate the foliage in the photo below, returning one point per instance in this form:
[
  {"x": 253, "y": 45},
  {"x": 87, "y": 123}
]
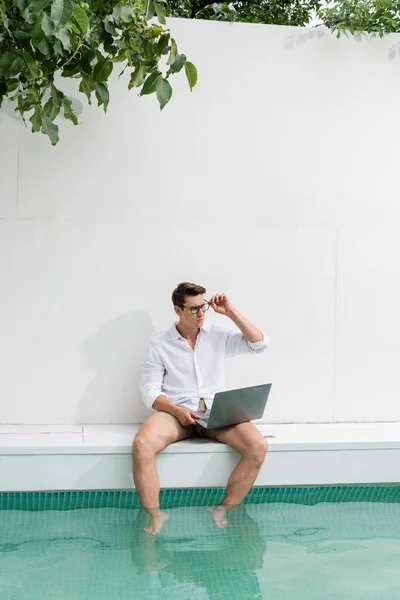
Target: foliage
[
  {"x": 84, "y": 40},
  {"x": 278, "y": 12},
  {"x": 373, "y": 16}
]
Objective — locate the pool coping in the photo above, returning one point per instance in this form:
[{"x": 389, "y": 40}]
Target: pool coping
[
  {"x": 68, "y": 457},
  {"x": 117, "y": 439}
]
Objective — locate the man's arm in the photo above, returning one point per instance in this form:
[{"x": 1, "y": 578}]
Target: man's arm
[
  {"x": 184, "y": 415},
  {"x": 223, "y": 306},
  {"x": 162, "y": 404},
  {"x": 151, "y": 382},
  {"x": 250, "y": 332},
  {"x": 151, "y": 377}
]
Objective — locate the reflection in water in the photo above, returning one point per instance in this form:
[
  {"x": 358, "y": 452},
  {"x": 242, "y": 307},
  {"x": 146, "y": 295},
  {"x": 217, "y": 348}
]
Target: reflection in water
[
  {"x": 219, "y": 563},
  {"x": 328, "y": 551}
]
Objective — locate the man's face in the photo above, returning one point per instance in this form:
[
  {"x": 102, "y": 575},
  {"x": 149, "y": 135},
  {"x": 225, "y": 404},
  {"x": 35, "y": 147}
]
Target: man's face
[{"x": 189, "y": 318}]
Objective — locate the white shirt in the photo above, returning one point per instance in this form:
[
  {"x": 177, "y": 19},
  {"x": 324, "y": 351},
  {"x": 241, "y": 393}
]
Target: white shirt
[{"x": 184, "y": 375}]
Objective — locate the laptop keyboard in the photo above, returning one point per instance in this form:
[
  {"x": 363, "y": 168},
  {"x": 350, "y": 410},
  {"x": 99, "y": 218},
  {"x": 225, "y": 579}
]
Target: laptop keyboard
[{"x": 203, "y": 414}]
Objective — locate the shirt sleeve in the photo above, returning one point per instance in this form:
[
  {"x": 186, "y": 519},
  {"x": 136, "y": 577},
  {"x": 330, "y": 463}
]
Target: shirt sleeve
[
  {"x": 151, "y": 377},
  {"x": 235, "y": 343}
]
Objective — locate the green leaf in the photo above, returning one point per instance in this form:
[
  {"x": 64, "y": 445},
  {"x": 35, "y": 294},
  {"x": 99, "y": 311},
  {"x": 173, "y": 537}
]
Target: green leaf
[
  {"x": 58, "y": 49},
  {"x": 149, "y": 86},
  {"x": 74, "y": 40},
  {"x": 29, "y": 17},
  {"x": 70, "y": 71},
  {"x": 173, "y": 52},
  {"x": 29, "y": 61},
  {"x": 160, "y": 11},
  {"x": 127, "y": 14},
  {"x": 151, "y": 11},
  {"x": 63, "y": 36},
  {"x": 191, "y": 74},
  {"x": 86, "y": 87},
  {"x": 12, "y": 85},
  {"x": 178, "y": 63},
  {"x": 150, "y": 50},
  {"x": 164, "y": 92},
  {"x": 61, "y": 12},
  {"x": 68, "y": 112},
  {"x": 51, "y": 109},
  {"x": 121, "y": 56},
  {"x": 24, "y": 34},
  {"x": 81, "y": 18},
  {"x": 6, "y": 25},
  {"x": 26, "y": 103},
  {"x": 47, "y": 25},
  {"x": 102, "y": 70},
  {"x": 11, "y": 64},
  {"x": 102, "y": 94},
  {"x": 123, "y": 13},
  {"x": 39, "y": 33},
  {"x": 43, "y": 47},
  {"x": 50, "y": 129},
  {"x": 32, "y": 65},
  {"x": 162, "y": 44},
  {"x": 57, "y": 96},
  {"x": 36, "y": 119},
  {"x": 108, "y": 44},
  {"x": 37, "y": 6},
  {"x": 109, "y": 27},
  {"x": 137, "y": 77}
]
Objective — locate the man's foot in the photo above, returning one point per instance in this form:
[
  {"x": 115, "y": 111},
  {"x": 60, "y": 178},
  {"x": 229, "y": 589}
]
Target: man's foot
[
  {"x": 218, "y": 514},
  {"x": 155, "y": 523}
]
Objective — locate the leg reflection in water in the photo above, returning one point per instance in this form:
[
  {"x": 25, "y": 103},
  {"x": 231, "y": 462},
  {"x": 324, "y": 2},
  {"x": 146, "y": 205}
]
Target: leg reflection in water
[{"x": 224, "y": 562}]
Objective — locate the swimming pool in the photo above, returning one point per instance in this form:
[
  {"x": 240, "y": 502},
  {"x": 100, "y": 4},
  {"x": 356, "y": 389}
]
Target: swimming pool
[{"x": 327, "y": 543}]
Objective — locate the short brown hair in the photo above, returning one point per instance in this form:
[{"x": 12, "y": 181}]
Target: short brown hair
[{"x": 186, "y": 289}]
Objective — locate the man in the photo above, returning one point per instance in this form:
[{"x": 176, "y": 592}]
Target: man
[{"x": 183, "y": 371}]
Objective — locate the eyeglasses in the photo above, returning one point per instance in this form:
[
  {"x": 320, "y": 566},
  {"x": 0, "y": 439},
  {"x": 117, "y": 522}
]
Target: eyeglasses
[{"x": 196, "y": 309}]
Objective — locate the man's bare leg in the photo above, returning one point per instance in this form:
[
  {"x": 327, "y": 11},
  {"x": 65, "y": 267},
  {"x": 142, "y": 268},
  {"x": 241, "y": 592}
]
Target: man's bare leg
[
  {"x": 148, "y": 488},
  {"x": 246, "y": 439},
  {"x": 155, "y": 434}
]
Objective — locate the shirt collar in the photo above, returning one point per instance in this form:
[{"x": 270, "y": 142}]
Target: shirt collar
[{"x": 175, "y": 335}]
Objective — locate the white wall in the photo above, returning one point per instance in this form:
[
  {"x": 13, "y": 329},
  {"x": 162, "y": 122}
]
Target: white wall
[{"x": 275, "y": 182}]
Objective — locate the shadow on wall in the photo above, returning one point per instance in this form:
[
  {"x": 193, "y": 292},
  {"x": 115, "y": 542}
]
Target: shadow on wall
[
  {"x": 394, "y": 51},
  {"x": 116, "y": 352},
  {"x": 8, "y": 108},
  {"x": 303, "y": 36},
  {"x": 319, "y": 32}
]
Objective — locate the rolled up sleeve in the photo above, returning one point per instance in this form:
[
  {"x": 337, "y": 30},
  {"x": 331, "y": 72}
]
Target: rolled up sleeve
[
  {"x": 151, "y": 377},
  {"x": 237, "y": 344}
]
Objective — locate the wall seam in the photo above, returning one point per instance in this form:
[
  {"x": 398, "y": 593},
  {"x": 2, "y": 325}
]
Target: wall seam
[
  {"x": 17, "y": 199},
  {"x": 335, "y": 323}
]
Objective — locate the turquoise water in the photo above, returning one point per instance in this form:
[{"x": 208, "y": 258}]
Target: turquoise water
[{"x": 309, "y": 544}]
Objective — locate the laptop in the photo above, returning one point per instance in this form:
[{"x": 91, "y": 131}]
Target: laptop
[{"x": 235, "y": 406}]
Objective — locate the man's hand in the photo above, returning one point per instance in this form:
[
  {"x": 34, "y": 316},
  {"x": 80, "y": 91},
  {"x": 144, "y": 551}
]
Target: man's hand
[
  {"x": 185, "y": 416},
  {"x": 221, "y": 304}
]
